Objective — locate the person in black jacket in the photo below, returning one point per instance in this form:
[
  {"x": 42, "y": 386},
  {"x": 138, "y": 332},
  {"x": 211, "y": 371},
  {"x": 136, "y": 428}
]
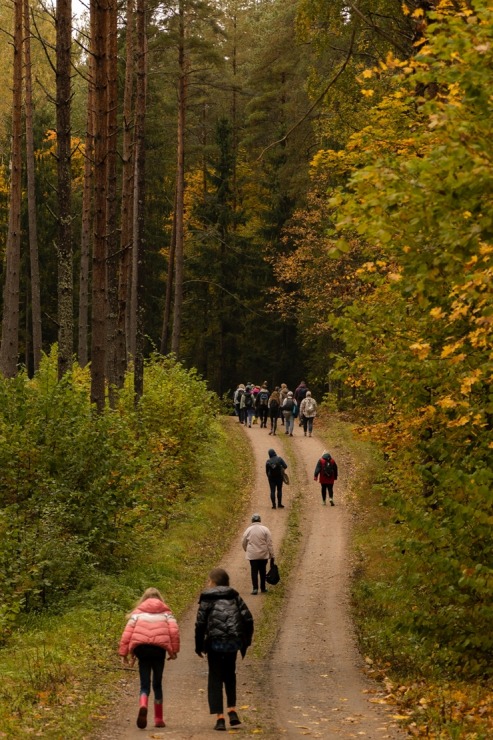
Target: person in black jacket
[{"x": 223, "y": 626}]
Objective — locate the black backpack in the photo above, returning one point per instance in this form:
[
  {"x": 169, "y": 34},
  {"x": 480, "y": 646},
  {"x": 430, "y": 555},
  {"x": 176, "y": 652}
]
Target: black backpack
[
  {"x": 275, "y": 467},
  {"x": 288, "y": 405},
  {"x": 248, "y": 400}
]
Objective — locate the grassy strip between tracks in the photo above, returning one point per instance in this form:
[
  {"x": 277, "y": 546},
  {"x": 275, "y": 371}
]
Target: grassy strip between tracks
[{"x": 60, "y": 670}]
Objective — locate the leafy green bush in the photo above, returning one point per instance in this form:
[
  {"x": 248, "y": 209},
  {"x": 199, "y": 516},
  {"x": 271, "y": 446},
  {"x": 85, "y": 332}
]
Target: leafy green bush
[{"x": 78, "y": 488}]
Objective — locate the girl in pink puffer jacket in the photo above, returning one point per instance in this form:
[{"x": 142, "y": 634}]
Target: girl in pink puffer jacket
[{"x": 151, "y": 632}]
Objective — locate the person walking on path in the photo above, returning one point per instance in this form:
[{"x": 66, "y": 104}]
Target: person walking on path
[
  {"x": 289, "y": 412},
  {"x": 283, "y": 394},
  {"x": 248, "y": 405},
  {"x": 223, "y": 626},
  {"x": 237, "y": 400},
  {"x": 273, "y": 469},
  {"x": 257, "y": 543},
  {"x": 150, "y": 633},
  {"x": 262, "y": 404},
  {"x": 308, "y": 412},
  {"x": 274, "y": 407},
  {"x": 326, "y": 468},
  {"x": 299, "y": 395}
]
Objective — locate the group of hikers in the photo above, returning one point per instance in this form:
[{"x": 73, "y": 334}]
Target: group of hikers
[
  {"x": 256, "y": 403},
  {"x": 224, "y": 624}
]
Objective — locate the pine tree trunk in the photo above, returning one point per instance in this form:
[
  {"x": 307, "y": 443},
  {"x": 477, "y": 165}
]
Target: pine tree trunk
[
  {"x": 140, "y": 159},
  {"x": 98, "y": 324},
  {"x": 113, "y": 241},
  {"x": 87, "y": 216},
  {"x": 64, "y": 184},
  {"x": 9, "y": 348},
  {"x": 169, "y": 287},
  {"x": 31, "y": 198},
  {"x": 180, "y": 188},
  {"x": 126, "y": 241}
]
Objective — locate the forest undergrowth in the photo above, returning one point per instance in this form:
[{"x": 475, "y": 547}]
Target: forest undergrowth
[
  {"x": 58, "y": 657},
  {"x": 430, "y": 699}
]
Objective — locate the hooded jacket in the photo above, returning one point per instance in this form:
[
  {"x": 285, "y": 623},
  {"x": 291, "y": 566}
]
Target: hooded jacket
[
  {"x": 223, "y": 620},
  {"x": 274, "y": 466},
  {"x": 151, "y": 623},
  {"x": 320, "y": 469}
]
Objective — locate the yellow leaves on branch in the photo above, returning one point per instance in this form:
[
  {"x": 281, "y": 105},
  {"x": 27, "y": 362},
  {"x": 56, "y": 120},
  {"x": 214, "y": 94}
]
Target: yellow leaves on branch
[{"x": 420, "y": 349}]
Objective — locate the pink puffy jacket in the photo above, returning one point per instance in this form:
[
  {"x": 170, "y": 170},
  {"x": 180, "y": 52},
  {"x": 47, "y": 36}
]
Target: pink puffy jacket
[{"x": 151, "y": 623}]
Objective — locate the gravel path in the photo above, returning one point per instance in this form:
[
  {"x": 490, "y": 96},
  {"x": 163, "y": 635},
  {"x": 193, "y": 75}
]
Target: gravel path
[{"x": 313, "y": 683}]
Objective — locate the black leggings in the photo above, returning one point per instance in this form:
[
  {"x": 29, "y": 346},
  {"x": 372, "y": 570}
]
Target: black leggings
[
  {"x": 275, "y": 484},
  {"x": 222, "y": 670},
  {"x": 151, "y": 660},
  {"x": 327, "y": 487}
]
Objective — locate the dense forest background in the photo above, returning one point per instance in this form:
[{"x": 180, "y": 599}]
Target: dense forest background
[{"x": 266, "y": 190}]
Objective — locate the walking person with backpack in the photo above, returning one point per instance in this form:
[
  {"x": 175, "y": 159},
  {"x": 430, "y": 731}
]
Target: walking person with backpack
[
  {"x": 274, "y": 470},
  {"x": 262, "y": 404},
  {"x": 308, "y": 412},
  {"x": 326, "y": 470},
  {"x": 224, "y": 626},
  {"x": 248, "y": 405},
  {"x": 289, "y": 412}
]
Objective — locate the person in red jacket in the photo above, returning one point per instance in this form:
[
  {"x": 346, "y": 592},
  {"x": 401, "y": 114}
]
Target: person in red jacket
[
  {"x": 326, "y": 468},
  {"x": 150, "y": 633}
]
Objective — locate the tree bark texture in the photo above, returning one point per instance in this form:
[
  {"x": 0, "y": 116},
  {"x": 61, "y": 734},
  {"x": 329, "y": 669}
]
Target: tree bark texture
[
  {"x": 37, "y": 339},
  {"x": 140, "y": 160},
  {"x": 126, "y": 238},
  {"x": 64, "y": 184},
  {"x": 113, "y": 243},
  {"x": 99, "y": 10},
  {"x": 180, "y": 187},
  {"x": 9, "y": 348},
  {"x": 87, "y": 214}
]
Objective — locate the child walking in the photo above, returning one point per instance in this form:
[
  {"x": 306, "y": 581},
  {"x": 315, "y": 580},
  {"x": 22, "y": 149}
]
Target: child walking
[
  {"x": 150, "y": 633},
  {"x": 224, "y": 625}
]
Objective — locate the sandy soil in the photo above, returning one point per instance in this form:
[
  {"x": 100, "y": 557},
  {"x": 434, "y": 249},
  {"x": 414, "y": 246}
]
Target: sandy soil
[{"x": 313, "y": 684}]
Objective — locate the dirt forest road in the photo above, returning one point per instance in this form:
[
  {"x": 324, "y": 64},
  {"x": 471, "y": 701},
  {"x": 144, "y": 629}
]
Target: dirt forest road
[{"x": 313, "y": 683}]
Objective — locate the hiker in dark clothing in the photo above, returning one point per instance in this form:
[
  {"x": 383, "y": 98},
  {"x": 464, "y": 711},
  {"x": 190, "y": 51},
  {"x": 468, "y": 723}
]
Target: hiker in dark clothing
[
  {"x": 273, "y": 468},
  {"x": 262, "y": 404},
  {"x": 326, "y": 468},
  {"x": 224, "y": 625},
  {"x": 274, "y": 408}
]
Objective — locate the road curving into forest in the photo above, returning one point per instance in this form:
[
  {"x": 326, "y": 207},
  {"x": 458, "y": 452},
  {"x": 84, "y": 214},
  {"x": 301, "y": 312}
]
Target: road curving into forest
[{"x": 313, "y": 683}]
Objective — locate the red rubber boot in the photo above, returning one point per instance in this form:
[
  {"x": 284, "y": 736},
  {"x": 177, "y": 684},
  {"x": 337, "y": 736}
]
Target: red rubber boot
[
  {"x": 158, "y": 715},
  {"x": 142, "y": 715}
]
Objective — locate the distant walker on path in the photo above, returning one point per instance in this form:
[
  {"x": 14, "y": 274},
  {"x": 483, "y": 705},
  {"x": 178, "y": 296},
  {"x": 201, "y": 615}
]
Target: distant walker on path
[
  {"x": 273, "y": 469},
  {"x": 257, "y": 543},
  {"x": 326, "y": 468}
]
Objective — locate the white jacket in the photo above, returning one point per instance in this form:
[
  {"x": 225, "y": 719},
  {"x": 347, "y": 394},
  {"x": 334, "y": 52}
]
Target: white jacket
[{"x": 257, "y": 542}]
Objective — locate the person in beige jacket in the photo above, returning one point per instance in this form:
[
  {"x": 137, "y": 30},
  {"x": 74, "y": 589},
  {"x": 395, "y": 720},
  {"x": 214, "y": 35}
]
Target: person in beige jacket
[{"x": 257, "y": 543}]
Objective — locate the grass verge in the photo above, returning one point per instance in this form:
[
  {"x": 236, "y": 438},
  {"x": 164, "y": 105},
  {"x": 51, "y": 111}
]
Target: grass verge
[{"x": 59, "y": 669}]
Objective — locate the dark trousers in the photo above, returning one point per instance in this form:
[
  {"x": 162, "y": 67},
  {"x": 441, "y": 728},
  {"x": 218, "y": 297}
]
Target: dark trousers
[
  {"x": 258, "y": 568},
  {"x": 263, "y": 412},
  {"x": 327, "y": 487},
  {"x": 151, "y": 661},
  {"x": 275, "y": 485},
  {"x": 222, "y": 671}
]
